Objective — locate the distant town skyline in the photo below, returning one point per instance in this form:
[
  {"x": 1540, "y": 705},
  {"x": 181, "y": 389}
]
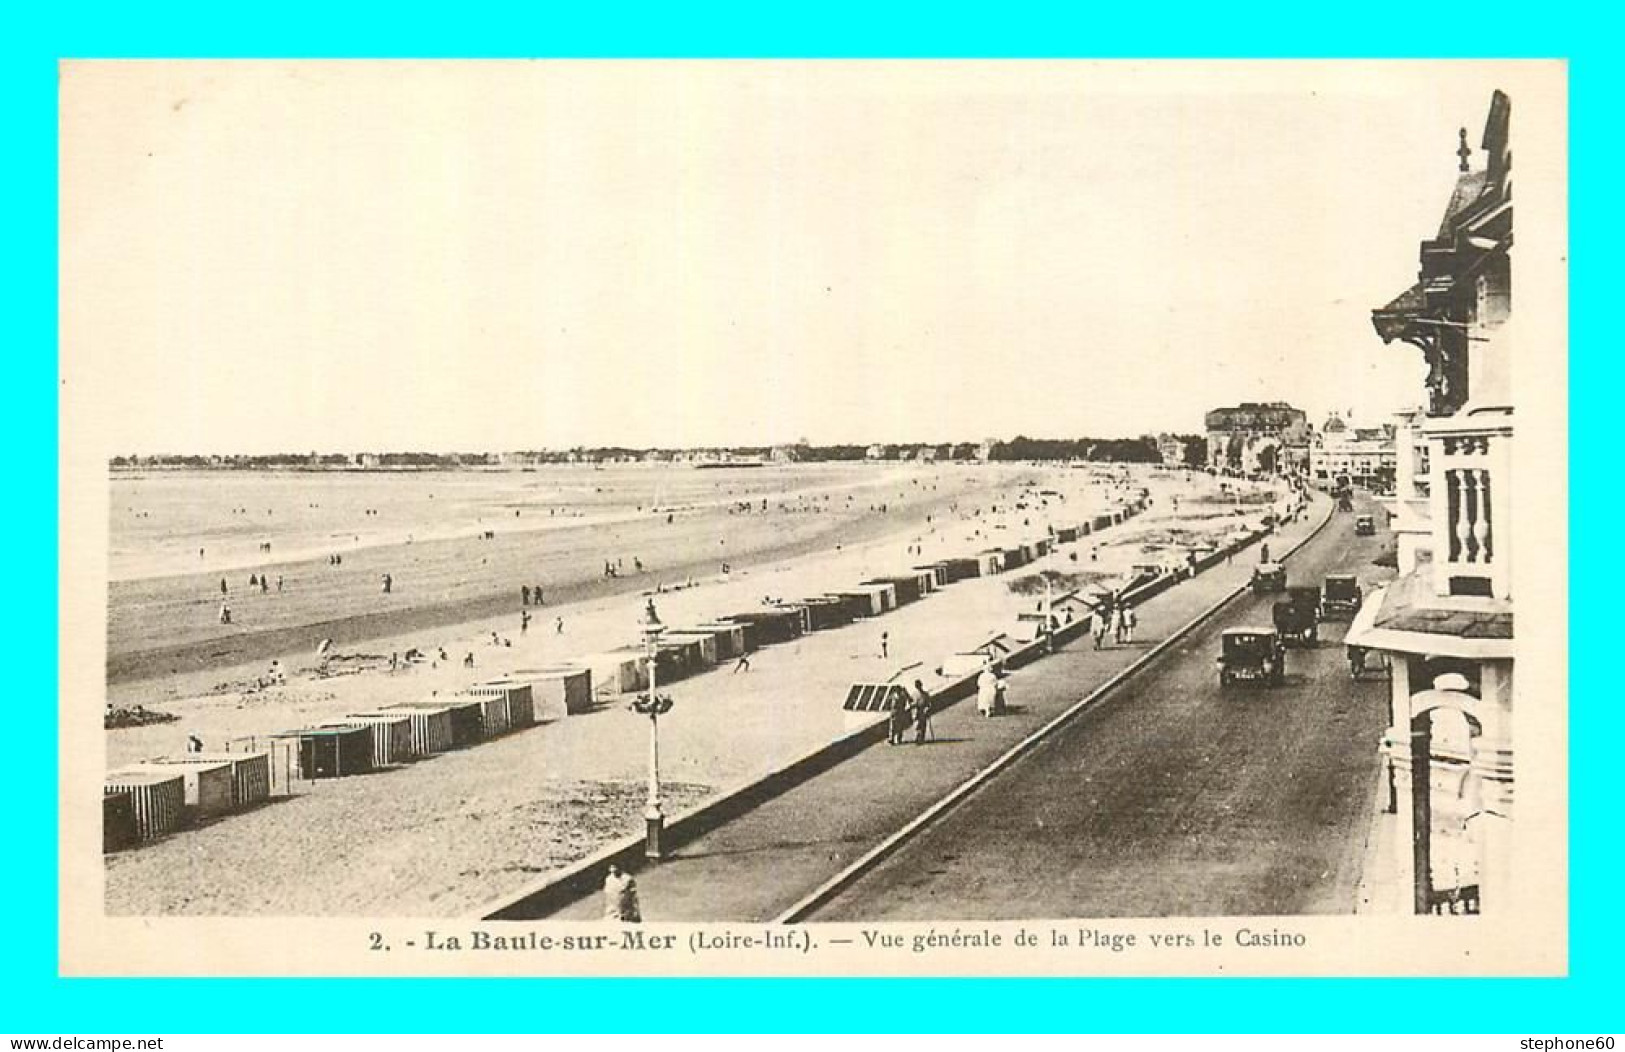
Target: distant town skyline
[{"x": 270, "y": 257}]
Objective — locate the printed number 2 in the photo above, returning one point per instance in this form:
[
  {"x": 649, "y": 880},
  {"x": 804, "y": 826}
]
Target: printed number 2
[{"x": 375, "y": 941}]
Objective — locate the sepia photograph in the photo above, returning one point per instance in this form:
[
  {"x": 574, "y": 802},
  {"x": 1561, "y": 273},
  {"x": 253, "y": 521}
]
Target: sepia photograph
[{"x": 813, "y": 517}]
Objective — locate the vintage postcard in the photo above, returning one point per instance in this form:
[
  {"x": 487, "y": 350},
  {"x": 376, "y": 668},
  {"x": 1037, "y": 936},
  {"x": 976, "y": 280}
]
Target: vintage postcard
[{"x": 801, "y": 517}]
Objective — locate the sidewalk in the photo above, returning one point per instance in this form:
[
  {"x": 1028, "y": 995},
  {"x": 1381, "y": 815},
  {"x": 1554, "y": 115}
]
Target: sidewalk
[{"x": 764, "y": 861}]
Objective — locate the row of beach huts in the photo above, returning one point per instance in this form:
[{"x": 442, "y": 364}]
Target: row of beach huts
[{"x": 148, "y": 800}]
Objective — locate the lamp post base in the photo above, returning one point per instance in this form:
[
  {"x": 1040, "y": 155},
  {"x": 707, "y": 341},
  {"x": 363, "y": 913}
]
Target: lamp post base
[{"x": 654, "y": 825}]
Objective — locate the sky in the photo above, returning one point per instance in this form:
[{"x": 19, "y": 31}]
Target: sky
[{"x": 263, "y": 257}]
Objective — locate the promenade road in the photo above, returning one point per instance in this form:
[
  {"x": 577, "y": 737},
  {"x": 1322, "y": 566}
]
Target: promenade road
[
  {"x": 1175, "y": 797},
  {"x": 761, "y": 863}
]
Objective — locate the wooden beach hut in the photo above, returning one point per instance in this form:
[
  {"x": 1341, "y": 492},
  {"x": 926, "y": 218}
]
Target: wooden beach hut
[
  {"x": 391, "y": 737},
  {"x": 905, "y": 588},
  {"x": 496, "y": 717},
  {"x": 938, "y": 573},
  {"x": 774, "y": 625},
  {"x": 730, "y": 638},
  {"x": 1014, "y": 557},
  {"x": 824, "y": 612},
  {"x": 622, "y": 669},
  {"x": 962, "y": 568},
  {"x": 331, "y": 752},
  {"x": 678, "y": 658},
  {"x": 990, "y": 562},
  {"x": 705, "y": 641},
  {"x": 466, "y": 719},
  {"x": 157, "y": 798},
  {"x": 428, "y": 729},
  {"x": 1066, "y": 534},
  {"x": 521, "y": 703},
  {"x": 118, "y": 820},
  {"x": 250, "y": 773},
  {"x": 869, "y": 598},
  {"x": 207, "y": 785},
  {"x": 885, "y": 590},
  {"x": 799, "y": 608},
  {"x": 558, "y": 691}
]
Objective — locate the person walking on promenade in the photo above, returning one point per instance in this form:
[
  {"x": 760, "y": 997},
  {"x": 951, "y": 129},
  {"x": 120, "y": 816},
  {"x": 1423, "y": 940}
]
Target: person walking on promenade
[
  {"x": 621, "y": 897},
  {"x": 1131, "y": 621},
  {"x": 885, "y": 645},
  {"x": 1101, "y": 618},
  {"x": 743, "y": 664},
  {"x": 987, "y": 690},
  {"x": 897, "y": 722},
  {"x": 1119, "y": 631},
  {"x": 524, "y": 595},
  {"x": 922, "y": 713}
]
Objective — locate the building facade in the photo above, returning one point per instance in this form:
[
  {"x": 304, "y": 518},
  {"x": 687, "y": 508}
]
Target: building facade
[
  {"x": 1446, "y": 622},
  {"x": 1258, "y": 438},
  {"x": 1363, "y": 455}
]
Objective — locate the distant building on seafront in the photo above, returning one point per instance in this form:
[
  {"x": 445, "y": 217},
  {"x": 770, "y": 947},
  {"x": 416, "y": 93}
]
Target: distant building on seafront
[
  {"x": 1446, "y": 622},
  {"x": 1258, "y": 438},
  {"x": 1365, "y": 455}
]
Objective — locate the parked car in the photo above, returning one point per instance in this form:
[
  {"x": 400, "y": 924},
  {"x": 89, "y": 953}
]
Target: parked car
[
  {"x": 1251, "y": 655},
  {"x": 1297, "y": 617},
  {"x": 1365, "y": 526},
  {"x": 1340, "y": 596},
  {"x": 1269, "y": 577}
]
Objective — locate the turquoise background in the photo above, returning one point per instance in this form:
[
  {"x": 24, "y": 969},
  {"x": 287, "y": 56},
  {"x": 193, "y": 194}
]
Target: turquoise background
[{"x": 33, "y": 999}]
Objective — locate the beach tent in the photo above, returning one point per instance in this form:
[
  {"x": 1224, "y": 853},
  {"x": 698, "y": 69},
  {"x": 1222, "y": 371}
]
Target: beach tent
[{"x": 496, "y": 710}]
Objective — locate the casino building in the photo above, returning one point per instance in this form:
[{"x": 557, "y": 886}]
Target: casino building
[{"x": 1258, "y": 438}]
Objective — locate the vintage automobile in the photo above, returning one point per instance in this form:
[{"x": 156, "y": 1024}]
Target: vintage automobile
[
  {"x": 1269, "y": 577},
  {"x": 1297, "y": 617},
  {"x": 1251, "y": 655},
  {"x": 1365, "y": 526},
  {"x": 1340, "y": 596}
]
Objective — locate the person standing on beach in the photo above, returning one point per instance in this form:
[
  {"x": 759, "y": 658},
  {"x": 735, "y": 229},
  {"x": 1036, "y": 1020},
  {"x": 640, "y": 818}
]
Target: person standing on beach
[
  {"x": 524, "y": 621},
  {"x": 558, "y": 626},
  {"x": 536, "y": 593},
  {"x": 885, "y": 645},
  {"x": 225, "y": 614},
  {"x": 524, "y": 595},
  {"x": 279, "y": 582},
  {"x": 389, "y": 583},
  {"x": 265, "y": 584},
  {"x": 743, "y": 664},
  {"x": 223, "y": 589}
]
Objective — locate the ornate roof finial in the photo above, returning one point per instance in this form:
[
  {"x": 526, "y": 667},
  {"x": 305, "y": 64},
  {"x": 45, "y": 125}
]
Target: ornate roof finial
[{"x": 1464, "y": 151}]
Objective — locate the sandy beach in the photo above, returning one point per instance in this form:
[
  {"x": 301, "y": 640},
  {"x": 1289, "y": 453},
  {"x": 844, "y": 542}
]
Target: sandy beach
[{"x": 446, "y": 835}]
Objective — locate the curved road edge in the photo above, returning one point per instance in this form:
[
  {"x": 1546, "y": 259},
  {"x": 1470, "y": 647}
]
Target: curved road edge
[{"x": 827, "y": 891}]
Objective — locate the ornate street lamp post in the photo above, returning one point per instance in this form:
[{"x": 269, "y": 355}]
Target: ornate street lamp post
[{"x": 653, "y": 706}]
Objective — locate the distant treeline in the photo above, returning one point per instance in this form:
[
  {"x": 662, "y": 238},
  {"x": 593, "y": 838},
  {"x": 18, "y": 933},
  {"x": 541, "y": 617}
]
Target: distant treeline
[{"x": 1146, "y": 449}]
